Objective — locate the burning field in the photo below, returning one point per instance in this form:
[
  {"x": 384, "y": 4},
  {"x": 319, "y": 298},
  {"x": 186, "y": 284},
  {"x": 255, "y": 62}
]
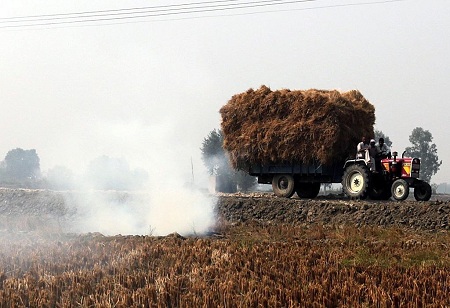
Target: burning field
[{"x": 261, "y": 251}]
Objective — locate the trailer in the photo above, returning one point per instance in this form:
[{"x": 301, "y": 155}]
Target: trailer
[{"x": 303, "y": 179}]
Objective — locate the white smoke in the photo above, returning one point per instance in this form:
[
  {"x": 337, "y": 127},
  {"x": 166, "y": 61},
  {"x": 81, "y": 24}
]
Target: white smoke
[
  {"x": 168, "y": 202},
  {"x": 184, "y": 211},
  {"x": 155, "y": 212}
]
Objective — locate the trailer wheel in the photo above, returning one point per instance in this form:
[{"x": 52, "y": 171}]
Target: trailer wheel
[
  {"x": 422, "y": 191},
  {"x": 400, "y": 190},
  {"x": 307, "y": 190},
  {"x": 355, "y": 181},
  {"x": 283, "y": 185}
]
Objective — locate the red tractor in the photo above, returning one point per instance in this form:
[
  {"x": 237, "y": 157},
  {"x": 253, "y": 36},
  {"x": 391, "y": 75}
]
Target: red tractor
[{"x": 391, "y": 177}]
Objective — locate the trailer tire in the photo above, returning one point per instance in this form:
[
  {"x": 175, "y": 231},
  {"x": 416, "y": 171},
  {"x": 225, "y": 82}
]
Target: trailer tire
[
  {"x": 422, "y": 191},
  {"x": 283, "y": 185},
  {"x": 355, "y": 181},
  {"x": 400, "y": 190},
  {"x": 307, "y": 190}
]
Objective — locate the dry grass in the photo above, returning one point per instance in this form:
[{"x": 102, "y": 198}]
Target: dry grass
[
  {"x": 264, "y": 126},
  {"x": 249, "y": 265}
]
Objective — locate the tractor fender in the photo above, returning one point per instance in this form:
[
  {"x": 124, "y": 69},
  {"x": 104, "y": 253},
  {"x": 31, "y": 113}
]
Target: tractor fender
[{"x": 356, "y": 161}]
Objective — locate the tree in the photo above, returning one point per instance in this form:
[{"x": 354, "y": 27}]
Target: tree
[
  {"x": 244, "y": 181},
  {"x": 423, "y": 148},
  {"x": 213, "y": 155},
  {"x": 21, "y": 165},
  {"x": 379, "y": 134},
  {"x": 215, "y": 160}
]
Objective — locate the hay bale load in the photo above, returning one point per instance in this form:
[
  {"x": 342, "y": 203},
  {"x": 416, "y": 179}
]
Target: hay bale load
[{"x": 302, "y": 126}]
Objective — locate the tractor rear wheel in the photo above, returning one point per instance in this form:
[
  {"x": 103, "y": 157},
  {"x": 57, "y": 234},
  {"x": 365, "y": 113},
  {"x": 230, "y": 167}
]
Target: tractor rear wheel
[
  {"x": 422, "y": 191},
  {"x": 355, "y": 181},
  {"x": 400, "y": 190},
  {"x": 283, "y": 185},
  {"x": 307, "y": 190}
]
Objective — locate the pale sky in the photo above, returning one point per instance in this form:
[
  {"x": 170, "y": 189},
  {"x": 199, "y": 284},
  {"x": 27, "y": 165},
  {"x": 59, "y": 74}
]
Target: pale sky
[{"x": 149, "y": 89}]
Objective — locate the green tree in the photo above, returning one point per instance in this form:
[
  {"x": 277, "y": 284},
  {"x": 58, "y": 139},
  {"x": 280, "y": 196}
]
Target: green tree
[
  {"x": 423, "y": 148},
  {"x": 216, "y": 162},
  {"x": 213, "y": 155},
  {"x": 21, "y": 166},
  {"x": 379, "y": 134}
]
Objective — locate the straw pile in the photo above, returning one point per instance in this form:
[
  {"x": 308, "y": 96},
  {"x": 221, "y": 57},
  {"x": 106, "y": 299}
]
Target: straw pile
[{"x": 284, "y": 126}]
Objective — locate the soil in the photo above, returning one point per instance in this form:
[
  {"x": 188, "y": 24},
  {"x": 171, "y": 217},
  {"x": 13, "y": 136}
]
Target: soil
[
  {"x": 336, "y": 211},
  {"x": 29, "y": 210}
]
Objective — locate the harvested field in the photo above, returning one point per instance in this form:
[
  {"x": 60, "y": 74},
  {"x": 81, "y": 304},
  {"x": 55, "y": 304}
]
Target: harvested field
[{"x": 263, "y": 251}]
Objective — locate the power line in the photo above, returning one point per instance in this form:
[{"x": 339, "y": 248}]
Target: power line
[
  {"x": 154, "y": 11},
  {"x": 145, "y": 8},
  {"x": 101, "y": 16}
]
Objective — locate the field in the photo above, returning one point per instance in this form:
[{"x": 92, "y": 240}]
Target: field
[{"x": 263, "y": 252}]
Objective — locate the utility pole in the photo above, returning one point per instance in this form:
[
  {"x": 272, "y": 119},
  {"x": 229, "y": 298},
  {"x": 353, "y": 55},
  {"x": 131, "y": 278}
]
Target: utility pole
[{"x": 192, "y": 171}]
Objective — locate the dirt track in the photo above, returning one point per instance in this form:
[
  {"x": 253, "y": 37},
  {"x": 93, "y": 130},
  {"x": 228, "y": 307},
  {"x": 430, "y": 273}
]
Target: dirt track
[{"x": 28, "y": 210}]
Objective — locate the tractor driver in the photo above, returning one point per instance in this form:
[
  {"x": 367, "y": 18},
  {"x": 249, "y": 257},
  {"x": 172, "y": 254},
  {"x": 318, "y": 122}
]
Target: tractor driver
[
  {"x": 382, "y": 149},
  {"x": 382, "y": 153},
  {"x": 373, "y": 150}
]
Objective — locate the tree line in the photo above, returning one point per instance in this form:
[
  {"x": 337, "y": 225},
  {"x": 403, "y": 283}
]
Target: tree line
[{"x": 21, "y": 169}]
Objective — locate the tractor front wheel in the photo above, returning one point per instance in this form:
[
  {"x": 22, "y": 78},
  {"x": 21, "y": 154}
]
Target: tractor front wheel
[
  {"x": 422, "y": 191},
  {"x": 400, "y": 190}
]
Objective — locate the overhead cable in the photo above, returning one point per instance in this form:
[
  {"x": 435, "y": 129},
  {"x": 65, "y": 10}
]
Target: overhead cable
[{"x": 190, "y": 10}]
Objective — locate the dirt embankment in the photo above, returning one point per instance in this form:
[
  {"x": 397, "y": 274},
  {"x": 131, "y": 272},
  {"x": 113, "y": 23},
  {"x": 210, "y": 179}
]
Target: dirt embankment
[
  {"x": 431, "y": 215},
  {"x": 29, "y": 210}
]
